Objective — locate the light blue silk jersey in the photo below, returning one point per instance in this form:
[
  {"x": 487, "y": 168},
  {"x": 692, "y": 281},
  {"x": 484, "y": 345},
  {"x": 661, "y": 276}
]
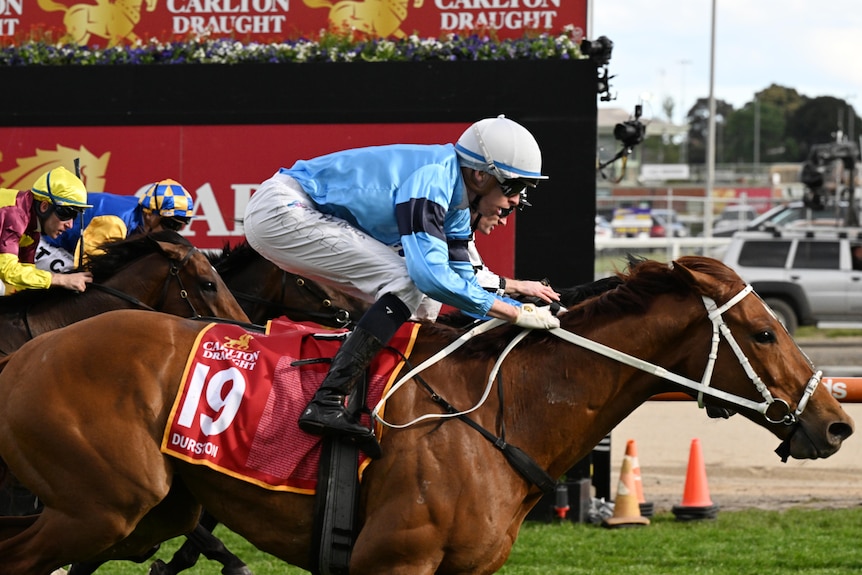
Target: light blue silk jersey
[{"x": 406, "y": 194}]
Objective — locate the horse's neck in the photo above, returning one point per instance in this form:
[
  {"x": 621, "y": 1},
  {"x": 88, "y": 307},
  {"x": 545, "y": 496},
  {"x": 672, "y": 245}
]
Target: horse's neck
[{"x": 582, "y": 395}]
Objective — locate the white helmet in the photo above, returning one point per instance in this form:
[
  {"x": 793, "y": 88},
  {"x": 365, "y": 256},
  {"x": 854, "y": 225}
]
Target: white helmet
[{"x": 501, "y": 147}]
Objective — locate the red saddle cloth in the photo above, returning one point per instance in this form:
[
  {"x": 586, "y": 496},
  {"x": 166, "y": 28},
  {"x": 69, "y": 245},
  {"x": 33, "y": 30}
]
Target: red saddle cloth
[{"x": 237, "y": 408}]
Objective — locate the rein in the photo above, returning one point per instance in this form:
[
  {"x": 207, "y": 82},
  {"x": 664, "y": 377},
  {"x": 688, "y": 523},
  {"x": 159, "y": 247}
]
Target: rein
[{"x": 173, "y": 272}]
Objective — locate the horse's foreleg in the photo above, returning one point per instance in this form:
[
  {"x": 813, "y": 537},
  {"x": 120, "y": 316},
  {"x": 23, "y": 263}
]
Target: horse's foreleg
[
  {"x": 201, "y": 541},
  {"x": 212, "y": 547}
]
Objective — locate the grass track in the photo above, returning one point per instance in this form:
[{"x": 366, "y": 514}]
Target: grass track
[{"x": 813, "y": 542}]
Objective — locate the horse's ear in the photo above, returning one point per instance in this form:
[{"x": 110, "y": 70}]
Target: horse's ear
[
  {"x": 705, "y": 284},
  {"x": 171, "y": 250}
]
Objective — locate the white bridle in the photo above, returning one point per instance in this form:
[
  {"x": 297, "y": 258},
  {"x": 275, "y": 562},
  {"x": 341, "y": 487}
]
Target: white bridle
[{"x": 702, "y": 387}]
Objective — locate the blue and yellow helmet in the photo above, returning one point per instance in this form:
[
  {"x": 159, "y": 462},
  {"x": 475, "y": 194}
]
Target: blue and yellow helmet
[{"x": 169, "y": 199}]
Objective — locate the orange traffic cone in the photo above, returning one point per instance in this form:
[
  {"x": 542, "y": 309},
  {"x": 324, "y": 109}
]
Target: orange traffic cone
[
  {"x": 646, "y": 508},
  {"x": 696, "y": 503},
  {"x": 626, "y": 510}
]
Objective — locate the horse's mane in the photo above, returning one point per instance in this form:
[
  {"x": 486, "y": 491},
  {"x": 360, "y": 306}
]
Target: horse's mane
[
  {"x": 233, "y": 258},
  {"x": 120, "y": 253},
  {"x": 116, "y": 255},
  {"x": 630, "y": 293}
]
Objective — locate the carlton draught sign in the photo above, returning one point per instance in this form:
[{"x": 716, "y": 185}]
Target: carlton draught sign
[{"x": 112, "y": 22}]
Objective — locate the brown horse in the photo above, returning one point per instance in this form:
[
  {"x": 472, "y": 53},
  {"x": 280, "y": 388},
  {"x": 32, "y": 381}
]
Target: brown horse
[
  {"x": 265, "y": 291},
  {"x": 445, "y": 497},
  {"x": 161, "y": 272}
]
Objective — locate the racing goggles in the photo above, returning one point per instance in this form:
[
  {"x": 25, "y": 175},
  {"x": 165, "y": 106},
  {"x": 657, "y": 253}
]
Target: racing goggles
[
  {"x": 503, "y": 212},
  {"x": 515, "y": 186},
  {"x": 66, "y": 213},
  {"x": 175, "y": 223}
]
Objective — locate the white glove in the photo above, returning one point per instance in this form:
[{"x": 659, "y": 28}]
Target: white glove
[{"x": 532, "y": 317}]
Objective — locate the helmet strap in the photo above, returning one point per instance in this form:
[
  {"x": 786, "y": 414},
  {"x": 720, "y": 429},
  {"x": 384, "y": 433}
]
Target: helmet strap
[
  {"x": 492, "y": 167},
  {"x": 474, "y": 207}
]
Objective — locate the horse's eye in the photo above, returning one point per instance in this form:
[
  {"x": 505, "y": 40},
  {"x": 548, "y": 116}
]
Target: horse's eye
[
  {"x": 765, "y": 336},
  {"x": 208, "y": 286}
]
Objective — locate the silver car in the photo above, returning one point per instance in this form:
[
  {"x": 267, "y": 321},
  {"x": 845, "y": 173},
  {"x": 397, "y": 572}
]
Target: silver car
[{"x": 807, "y": 276}]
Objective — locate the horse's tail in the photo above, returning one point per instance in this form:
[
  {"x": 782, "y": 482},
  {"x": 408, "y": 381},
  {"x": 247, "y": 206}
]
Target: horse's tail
[{"x": 51, "y": 6}]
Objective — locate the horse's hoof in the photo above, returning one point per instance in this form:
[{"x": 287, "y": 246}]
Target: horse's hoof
[
  {"x": 59, "y": 571},
  {"x": 244, "y": 570},
  {"x": 159, "y": 567}
]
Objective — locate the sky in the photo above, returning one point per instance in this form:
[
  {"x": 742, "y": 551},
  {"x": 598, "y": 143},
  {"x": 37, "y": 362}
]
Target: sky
[{"x": 662, "y": 48}]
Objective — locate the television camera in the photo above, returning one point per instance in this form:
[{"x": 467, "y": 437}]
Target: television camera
[
  {"x": 599, "y": 52},
  {"x": 819, "y": 158},
  {"x": 630, "y": 133}
]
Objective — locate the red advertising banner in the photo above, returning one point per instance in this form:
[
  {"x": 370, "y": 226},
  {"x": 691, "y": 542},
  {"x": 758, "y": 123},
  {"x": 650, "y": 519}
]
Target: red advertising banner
[
  {"x": 220, "y": 166},
  {"x": 111, "y": 22}
]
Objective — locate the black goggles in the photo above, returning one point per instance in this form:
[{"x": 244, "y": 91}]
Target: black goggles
[
  {"x": 66, "y": 213},
  {"x": 507, "y": 211},
  {"x": 174, "y": 224},
  {"x": 503, "y": 212},
  {"x": 514, "y": 187}
]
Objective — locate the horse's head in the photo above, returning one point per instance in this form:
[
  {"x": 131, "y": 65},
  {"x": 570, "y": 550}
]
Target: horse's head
[
  {"x": 775, "y": 384},
  {"x": 169, "y": 273}
]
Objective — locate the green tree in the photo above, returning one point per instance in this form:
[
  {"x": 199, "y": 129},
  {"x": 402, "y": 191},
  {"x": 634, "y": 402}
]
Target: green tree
[
  {"x": 739, "y": 134},
  {"x": 668, "y": 106},
  {"x": 698, "y": 128},
  {"x": 788, "y": 100},
  {"x": 817, "y": 121}
]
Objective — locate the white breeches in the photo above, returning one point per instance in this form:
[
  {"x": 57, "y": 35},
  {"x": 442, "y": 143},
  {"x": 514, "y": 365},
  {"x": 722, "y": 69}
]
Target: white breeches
[{"x": 283, "y": 225}]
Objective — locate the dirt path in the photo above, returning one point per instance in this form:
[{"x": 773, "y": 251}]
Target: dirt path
[{"x": 741, "y": 467}]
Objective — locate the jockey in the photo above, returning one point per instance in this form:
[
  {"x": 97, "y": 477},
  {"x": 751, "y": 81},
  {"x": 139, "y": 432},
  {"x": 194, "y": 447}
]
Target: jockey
[
  {"x": 391, "y": 224},
  {"x": 47, "y": 209},
  {"x": 165, "y": 205}
]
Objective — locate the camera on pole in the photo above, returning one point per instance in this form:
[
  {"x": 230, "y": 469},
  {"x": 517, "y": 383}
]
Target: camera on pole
[{"x": 630, "y": 133}]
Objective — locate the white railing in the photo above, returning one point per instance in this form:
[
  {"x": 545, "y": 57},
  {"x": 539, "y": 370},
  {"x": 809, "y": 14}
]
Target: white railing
[{"x": 675, "y": 246}]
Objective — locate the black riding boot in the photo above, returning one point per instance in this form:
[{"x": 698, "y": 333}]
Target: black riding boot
[{"x": 326, "y": 414}]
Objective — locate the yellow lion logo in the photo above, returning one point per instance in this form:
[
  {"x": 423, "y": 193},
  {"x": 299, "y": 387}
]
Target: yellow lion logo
[
  {"x": 28, "y": 170},
  {"x": 114, "y": 20},
  {"x": 240, "y": 343},
  {"x": 381, "y": 18}
]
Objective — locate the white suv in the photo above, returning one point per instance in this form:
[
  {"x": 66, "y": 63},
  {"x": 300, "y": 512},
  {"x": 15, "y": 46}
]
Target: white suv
[{"x": 807, "y": 276}]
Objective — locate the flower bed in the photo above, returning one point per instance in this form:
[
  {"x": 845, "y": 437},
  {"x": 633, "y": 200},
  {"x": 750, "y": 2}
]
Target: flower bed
[{"x": 327, "y": 48}]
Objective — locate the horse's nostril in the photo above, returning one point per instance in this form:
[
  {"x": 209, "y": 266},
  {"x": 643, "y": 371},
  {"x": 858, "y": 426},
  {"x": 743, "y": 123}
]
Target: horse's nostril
[{"x": 841, "y": 430}]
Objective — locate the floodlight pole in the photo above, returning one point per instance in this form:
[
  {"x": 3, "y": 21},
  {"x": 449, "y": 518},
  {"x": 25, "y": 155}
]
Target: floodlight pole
[{"x": 710, "y": 147}]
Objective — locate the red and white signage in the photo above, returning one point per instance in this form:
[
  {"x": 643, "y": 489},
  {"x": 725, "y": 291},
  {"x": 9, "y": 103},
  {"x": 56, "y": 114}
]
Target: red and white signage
[{"x": 105, "y": 23}]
